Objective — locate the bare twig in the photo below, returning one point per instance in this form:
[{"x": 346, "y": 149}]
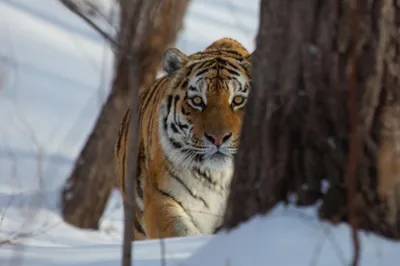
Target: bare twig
[
  {"x": 137, "y": 23},
  {"x": 96, "y": 12},
  {"x": 131, "y": 169},
  {"x": 354, "y": 138},
  {"x": 75, "y": 9}
]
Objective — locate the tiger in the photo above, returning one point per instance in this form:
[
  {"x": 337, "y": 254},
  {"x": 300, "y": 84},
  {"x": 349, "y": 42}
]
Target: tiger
[{"x": 189, "y": 128}]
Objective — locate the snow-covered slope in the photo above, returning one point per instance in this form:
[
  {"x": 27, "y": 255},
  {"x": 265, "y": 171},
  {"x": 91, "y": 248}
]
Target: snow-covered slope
[
  {"x": 54, "y": 76},
  {"x": 291, "y": 236}
]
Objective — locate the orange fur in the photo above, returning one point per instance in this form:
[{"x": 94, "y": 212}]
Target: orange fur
[{"x": 183, "y": 182}]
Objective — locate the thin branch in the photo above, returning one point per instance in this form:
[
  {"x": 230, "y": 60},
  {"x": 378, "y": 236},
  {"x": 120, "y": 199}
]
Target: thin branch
[
  {"x": 137, "y": 24},
  {"x": 75, "y": 9},
  {"x": 95, "y": 11},
  {"x": 130, "y": 23},
  {"x": 354, "y": 138}
]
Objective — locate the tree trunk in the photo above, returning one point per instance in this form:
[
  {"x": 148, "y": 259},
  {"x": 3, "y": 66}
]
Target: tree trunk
[
  {"x": 296, "y": 129},
  {"x": 86, "y": 191}
]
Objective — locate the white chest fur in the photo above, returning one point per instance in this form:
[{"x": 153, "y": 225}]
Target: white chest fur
[{"x": 203, "y": 195}]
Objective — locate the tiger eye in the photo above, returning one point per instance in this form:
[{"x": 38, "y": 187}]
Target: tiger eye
[
  {"x": 237, "y": 100},
  {"x": 197, "y": 100}
]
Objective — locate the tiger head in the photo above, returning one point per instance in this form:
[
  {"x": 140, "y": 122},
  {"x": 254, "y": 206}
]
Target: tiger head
[{"x": 200, "y": 118}]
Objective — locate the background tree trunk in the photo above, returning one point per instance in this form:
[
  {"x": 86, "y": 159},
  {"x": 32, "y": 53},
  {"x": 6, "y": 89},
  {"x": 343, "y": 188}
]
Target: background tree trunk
[
  {"x": 296, "y": 127},
  {"x": 86, "y": 191}
]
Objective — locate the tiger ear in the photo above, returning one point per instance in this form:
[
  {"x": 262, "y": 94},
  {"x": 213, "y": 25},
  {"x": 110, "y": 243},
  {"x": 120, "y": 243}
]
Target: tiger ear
[{"x": 173, "y": 60}]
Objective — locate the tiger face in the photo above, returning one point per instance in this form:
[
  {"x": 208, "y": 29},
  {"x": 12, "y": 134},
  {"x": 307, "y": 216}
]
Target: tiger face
[{"x": 200, "y": 119}]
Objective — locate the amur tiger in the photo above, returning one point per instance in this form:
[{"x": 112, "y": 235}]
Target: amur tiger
[{"x": 190, "y": 122}]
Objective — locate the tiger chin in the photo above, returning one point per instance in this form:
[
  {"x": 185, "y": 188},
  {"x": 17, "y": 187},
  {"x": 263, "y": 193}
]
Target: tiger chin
[{"x": 190, "y": 121}]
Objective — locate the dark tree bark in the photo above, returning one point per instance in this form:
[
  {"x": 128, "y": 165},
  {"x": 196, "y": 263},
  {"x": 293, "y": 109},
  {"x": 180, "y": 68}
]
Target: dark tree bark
[
  {"x": 297, "y": 128},
  {"x": 86, "y": 191}
]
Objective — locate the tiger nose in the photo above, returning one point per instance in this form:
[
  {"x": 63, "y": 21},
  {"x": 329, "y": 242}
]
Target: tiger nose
[{"x": 218, "y": 138}]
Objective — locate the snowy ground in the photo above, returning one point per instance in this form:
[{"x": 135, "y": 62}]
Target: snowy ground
[{"x": 54, "y": 72}]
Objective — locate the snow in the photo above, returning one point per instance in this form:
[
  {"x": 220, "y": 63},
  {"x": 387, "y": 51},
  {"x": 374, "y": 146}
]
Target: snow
[
  {"x": 292, "y": 236},
  {"x": 54, "y": 76}
]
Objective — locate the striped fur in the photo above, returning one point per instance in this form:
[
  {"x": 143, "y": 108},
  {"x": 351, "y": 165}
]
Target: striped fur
[{"x": 190, "y": 123}]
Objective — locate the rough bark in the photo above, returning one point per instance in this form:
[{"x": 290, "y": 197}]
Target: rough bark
[
  {"x": 296, "y": 127},
  {"x": 87, "y": 189}
]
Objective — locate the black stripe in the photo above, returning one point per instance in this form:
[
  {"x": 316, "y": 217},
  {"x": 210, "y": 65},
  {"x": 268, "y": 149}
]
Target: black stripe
[
  {"x": 221, "y": 61},
  {"x": 123, "y": 170},
  {"x": 204, "y": 67},
  {"x": 177, "y": 127},
  {"x": 208, "y": 63},
  {"x": 184, "y": 84},
  {"x": 180, "y": 181},
  {"x": 166, "y": 194},
  {"x": 139, "y": 189},
  {"x": 200, "y": 65},
  {"x": 227, "y": 64},
  {"x": 191, "y": 88},
  {"x": 123, "y": 139},
  {"x": 245, "y": 88},
  {"x": 175, "y": 144},
  {"x": 240, "y": 87},
  {"x": 201, "y": 72},
  {"x": 165, "y": 124},
  {"x": 141, "y": 159},
  {"x": 190, "y": 70},
  {"x": 234, "y": 53},
  {"x": 176, "y": 100},
  {"x": 169, "y": 103},
  {"x": 232, "y": 72},
  {"x": 150, "y": 94},
  {"x": 121, "y": 129},
  {"x": 174, "y": 128},
  {"x": 205, "y": 64},
  {"x": 139, "y": 227},
  {"x": 183, "y": 126},
  {"x": 199, "y": 157},
  {"x": 204, "y": 176}
]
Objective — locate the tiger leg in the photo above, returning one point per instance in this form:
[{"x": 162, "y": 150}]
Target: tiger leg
[{"x": 164, "y": 217}]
